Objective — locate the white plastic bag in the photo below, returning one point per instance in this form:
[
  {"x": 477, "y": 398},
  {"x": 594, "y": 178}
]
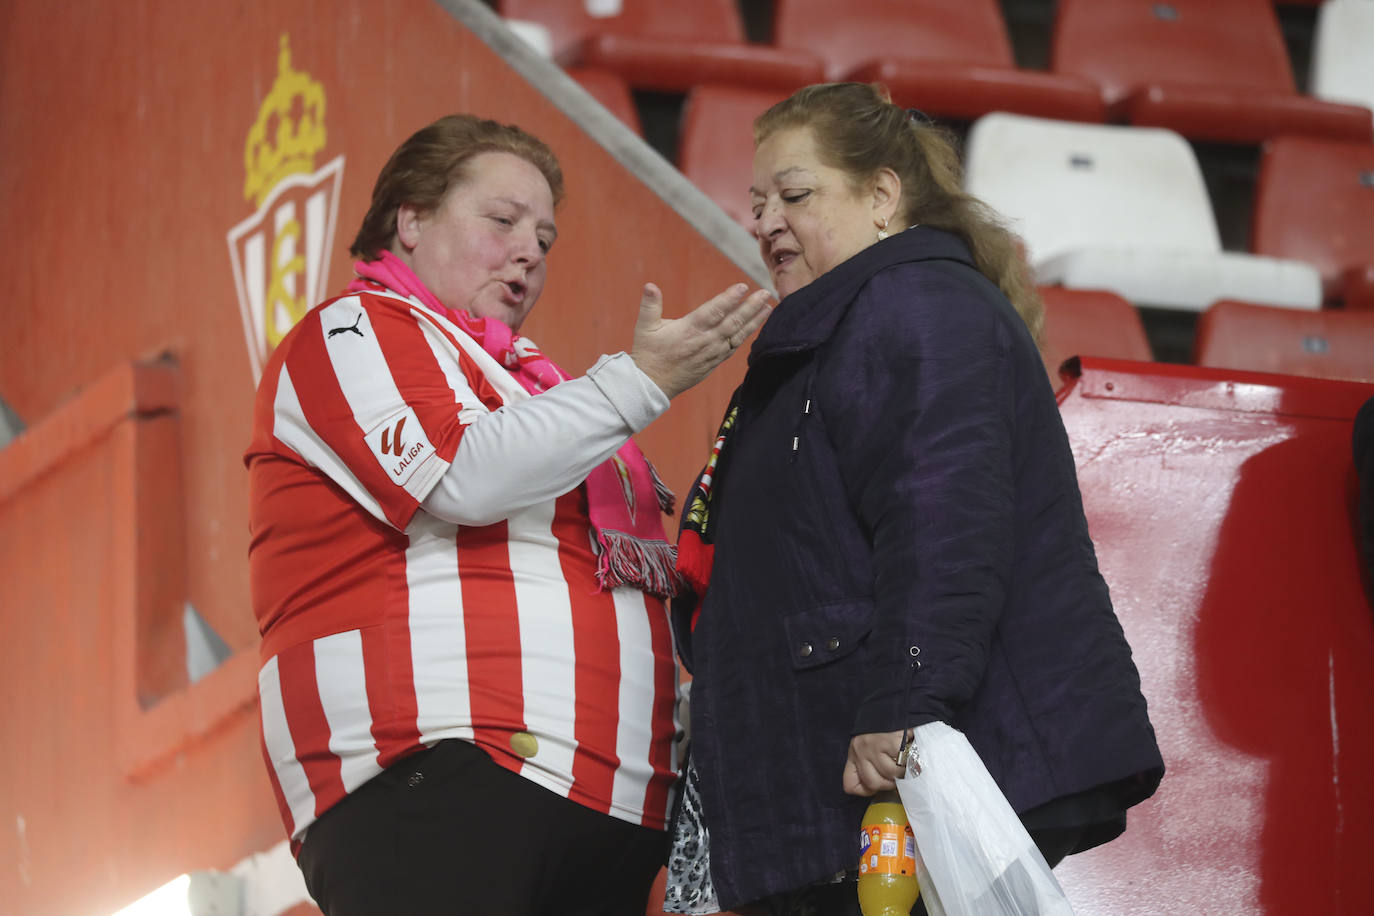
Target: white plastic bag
[{"x": 973, "y": 857}]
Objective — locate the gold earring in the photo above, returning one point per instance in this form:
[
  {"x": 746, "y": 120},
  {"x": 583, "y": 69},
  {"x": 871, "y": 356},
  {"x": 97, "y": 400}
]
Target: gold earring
[{"x": 882, "y": 231}]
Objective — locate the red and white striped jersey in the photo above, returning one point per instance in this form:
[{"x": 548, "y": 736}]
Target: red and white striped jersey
[{"x": 386, "y": 629}]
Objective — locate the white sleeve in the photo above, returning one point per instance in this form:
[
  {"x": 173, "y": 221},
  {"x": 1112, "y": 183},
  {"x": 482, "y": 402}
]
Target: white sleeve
[{"x": 534, "y": 450}]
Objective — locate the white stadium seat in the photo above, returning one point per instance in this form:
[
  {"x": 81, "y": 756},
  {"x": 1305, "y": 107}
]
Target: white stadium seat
[
  {"x": 1123, "y": 209},
  {"x": 1342, "y": 67}
]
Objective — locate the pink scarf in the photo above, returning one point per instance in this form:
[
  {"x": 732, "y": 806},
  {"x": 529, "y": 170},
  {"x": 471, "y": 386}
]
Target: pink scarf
[{"x": 625, "y": 496}]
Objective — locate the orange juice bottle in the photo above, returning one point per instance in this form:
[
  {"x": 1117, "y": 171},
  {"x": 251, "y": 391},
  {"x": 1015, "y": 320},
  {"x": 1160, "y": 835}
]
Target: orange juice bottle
[{"x": 887, "y": 859}]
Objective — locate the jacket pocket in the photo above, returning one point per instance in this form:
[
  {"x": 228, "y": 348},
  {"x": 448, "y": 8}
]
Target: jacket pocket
[
  {"x": 827, "y": 633},
  {"x": 827, "y": 681}
]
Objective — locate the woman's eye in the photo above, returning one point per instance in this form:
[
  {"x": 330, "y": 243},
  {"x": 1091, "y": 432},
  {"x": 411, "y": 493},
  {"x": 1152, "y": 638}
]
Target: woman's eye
[
  {"x": 504, "y": 220},
  {"x": 793, "y": 197},
  {"x": 545, "y": 245}
]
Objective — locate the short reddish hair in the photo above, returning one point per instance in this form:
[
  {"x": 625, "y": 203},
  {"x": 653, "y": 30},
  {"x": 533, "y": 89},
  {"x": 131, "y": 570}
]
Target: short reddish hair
[{"x": 435, "y": 158}]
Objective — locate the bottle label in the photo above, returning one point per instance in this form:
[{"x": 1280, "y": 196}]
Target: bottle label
[{"x": 887, "y": 849}]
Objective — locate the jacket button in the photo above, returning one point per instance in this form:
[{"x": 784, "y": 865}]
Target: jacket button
[
  {"x": 834, "y": 643},
  {"x": 805, "y": 650}
]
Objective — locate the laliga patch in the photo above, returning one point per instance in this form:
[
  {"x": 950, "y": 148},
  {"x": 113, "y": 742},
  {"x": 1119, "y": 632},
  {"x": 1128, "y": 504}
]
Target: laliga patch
[{"x": 400, "y": 444}]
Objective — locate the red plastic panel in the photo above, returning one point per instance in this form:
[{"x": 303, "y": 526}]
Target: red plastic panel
[
  {"x": 671, "y": 64},
  {"x": 1221, "y": 505},
  {"x": 1325, "y": 344},
  {"x": 1235, "y": 114},
  {"x": 949, "y": 90},
  {"x": 717, "y": 147},
  {"x": 1124, "y": 44},
  {"x": 859, "y": 31},
  {"x": 1314, "y": 201},
  {"x": 1087, "y": 322}
]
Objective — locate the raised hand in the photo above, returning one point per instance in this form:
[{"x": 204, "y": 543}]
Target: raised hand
[{"x": 678, "y": 353}]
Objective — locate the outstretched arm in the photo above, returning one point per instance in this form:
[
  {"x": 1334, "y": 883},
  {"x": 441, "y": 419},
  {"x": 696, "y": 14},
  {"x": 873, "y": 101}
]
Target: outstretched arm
[{"x": 535, "y": 450}]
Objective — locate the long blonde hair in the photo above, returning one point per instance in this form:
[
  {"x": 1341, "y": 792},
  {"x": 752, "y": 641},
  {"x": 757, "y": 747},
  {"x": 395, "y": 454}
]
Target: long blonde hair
[{"x": 859, "y": 130}]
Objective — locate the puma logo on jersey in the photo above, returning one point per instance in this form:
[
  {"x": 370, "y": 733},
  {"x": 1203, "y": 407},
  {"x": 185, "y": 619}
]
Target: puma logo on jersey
[{"x": 353, "y": 327}]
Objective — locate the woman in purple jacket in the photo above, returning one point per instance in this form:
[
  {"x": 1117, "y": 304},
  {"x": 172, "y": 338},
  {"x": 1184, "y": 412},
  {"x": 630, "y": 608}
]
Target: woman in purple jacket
[{"x": 889, "y": 532}]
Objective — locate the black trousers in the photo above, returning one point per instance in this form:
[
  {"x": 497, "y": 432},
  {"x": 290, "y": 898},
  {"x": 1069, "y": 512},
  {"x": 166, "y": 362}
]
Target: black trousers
[{"x": 448, "y": 831}]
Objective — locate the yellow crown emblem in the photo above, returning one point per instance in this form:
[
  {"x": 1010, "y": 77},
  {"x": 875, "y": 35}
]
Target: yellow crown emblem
[{"x": 285, "y": 138}]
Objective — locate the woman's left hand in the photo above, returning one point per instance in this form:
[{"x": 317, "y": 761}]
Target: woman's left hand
[
  {"x": 872, "y": 765},
  {"x": 678, "y": 353}
]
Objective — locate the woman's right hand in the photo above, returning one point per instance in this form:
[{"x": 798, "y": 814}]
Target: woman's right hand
[
  {"x": 678, "y": 353},
  {"x": 872, "y": 765}
]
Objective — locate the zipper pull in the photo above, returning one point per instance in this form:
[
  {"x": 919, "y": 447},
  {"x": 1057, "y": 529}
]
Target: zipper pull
[{"x": 796, "y": 438}]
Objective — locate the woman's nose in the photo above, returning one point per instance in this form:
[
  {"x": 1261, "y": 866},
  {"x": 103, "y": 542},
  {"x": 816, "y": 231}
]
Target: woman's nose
[
  {"x": 527, "y": 249},
  {"x": 769, "y": 223}
]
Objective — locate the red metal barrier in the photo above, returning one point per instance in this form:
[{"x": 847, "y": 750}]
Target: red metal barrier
[{"x": 1222, "y": 506}]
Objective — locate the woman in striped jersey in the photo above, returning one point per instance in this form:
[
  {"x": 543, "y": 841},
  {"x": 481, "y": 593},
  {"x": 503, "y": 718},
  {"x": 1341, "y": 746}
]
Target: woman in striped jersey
[{"x": 458, "y": 563}]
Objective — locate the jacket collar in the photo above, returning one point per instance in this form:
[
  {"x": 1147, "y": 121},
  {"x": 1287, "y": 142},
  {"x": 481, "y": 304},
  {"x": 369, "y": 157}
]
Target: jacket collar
[{"x": 807, "y": 318}]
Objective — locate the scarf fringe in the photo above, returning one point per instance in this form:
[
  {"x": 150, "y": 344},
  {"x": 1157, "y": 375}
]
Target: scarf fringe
[
  {"x": 624, "y": 559},
  {"x": 666, "y": 498}
]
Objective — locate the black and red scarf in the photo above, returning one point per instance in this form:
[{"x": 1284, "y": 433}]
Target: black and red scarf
[{"x": 695, "y": 538}]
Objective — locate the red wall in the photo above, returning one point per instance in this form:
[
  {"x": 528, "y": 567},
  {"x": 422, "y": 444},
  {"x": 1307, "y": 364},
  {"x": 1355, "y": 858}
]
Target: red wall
[{"x": 121, "y": 174}]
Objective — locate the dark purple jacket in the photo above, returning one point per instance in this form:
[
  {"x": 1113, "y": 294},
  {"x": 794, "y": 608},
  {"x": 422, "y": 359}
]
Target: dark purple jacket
[{"x": 899, "y": 477}]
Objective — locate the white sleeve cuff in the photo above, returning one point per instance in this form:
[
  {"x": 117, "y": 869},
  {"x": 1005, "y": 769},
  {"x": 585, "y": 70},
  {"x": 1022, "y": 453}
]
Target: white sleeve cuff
[
  {"x": 632, "y": 393},
  {"x": 540, "y": 448}
]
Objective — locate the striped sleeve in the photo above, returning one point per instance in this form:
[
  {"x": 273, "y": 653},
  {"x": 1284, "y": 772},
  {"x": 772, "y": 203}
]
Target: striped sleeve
[{"x": 375, "y": 401}]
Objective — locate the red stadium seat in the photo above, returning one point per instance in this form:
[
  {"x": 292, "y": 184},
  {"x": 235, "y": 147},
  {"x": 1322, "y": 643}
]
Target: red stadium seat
[
  {"x": 572, "y": 21},
  {"x": 950, "y": 58},
  {"x": 664, "y": 45},
  {"x": 717, "y": 145},
  {"x": 1213, "y": 70},
  {"x": 610, "y": 90},
  {"x": 1315, "y": 202},
  {"x": 1261, "y": 338},
  {"x": 1090, "y": 322}
]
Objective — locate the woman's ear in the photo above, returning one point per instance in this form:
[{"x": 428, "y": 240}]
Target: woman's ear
[
  {"x": 887, "y": 196},
  {"x": 407, "y": 226}
]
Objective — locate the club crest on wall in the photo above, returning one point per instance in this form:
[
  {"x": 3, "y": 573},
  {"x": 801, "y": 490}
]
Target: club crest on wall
[{"x": 280, "y": 254}]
